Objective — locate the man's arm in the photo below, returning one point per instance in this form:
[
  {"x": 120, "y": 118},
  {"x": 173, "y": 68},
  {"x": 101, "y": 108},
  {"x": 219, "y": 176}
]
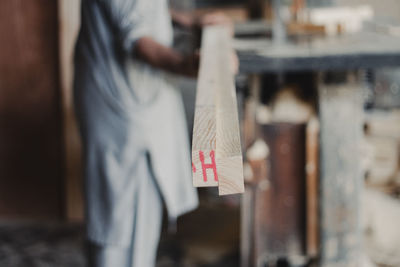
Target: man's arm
[
  {"x": 165, "y": 58},
  {"x": 191, "y": 20}
]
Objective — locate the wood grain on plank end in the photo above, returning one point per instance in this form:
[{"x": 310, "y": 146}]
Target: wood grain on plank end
[{"x": 230, "y": 175}]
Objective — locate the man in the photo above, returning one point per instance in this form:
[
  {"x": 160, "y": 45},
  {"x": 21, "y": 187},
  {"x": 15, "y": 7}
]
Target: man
[{"x": 132, "y": 125}]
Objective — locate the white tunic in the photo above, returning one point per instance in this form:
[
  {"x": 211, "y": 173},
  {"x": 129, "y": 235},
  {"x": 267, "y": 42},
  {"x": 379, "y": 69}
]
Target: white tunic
[{"x": 126, "y": 110}]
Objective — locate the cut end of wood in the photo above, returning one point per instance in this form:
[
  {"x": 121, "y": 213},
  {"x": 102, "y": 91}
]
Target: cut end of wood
[
  {"x": 198, "y": 183},
  {"x": 230, "y": 175},
  {"x": 204, "y": 168}
]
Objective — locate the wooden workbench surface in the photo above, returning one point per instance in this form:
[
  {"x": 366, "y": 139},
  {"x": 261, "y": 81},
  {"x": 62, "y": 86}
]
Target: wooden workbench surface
[{"x": 343, "y": 52}]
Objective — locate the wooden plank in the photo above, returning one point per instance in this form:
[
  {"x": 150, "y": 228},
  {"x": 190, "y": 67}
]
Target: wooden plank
[
  {"x": 216, "y": 150},
  {"x": 229, "y": 153},
  {"x": 204, "y": 127}
]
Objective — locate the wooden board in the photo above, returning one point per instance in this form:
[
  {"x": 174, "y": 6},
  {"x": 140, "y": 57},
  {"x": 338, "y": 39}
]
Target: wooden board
[
  {"x": 205, "y": 120},
  {"x": 216, "y": 150}
]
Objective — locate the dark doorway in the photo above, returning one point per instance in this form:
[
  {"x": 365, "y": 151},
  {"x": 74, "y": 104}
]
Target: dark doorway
[{"x": 30, "y": 114}]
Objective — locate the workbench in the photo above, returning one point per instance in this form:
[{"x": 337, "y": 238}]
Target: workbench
[
  {"x": 365, "y": 50},
  {"x": 340, "y": 115}
]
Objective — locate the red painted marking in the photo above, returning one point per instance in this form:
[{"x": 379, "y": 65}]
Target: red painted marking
[
  {"x": 193, "y": 167},
  {"x": 205, "y": 166}
]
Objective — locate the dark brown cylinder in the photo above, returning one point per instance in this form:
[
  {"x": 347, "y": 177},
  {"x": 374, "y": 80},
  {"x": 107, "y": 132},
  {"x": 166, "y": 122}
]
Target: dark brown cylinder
[{"x": 280, "y": 202}]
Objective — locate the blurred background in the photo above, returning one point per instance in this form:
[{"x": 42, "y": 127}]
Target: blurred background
[{"x": 319, "y": 103}]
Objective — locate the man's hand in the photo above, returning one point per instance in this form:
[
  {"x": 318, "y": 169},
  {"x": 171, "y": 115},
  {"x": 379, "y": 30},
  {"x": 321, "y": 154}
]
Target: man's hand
[
  {"x": 196, "y": 20},
  {"x": 213, "y": 19},
  {"x": 219, "y": 18},
  {"x": 165, "y": 58}
]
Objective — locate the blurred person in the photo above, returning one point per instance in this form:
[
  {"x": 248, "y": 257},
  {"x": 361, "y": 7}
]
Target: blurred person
[{"x": 131, "y": 118}]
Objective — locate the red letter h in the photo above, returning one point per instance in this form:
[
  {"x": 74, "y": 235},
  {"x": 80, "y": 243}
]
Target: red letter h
[{"x": 208, "y": 166}]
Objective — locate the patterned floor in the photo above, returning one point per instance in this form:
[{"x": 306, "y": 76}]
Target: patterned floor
[
  {"x": 206, "y": 238},
  {"x": 41, "y": 245}
]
